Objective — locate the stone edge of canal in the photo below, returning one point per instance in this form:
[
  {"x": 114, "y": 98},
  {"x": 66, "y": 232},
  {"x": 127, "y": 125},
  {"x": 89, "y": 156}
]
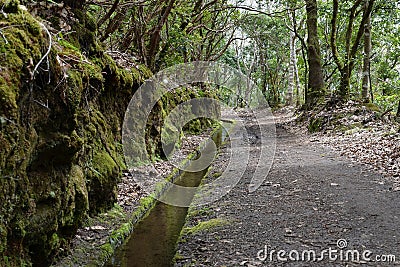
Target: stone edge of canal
[{"x": 116, "y": 243}]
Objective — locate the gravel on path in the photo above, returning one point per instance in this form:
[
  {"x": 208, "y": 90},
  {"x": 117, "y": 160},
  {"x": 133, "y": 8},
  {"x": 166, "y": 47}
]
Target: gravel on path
[{"x": 312, "y": 201}]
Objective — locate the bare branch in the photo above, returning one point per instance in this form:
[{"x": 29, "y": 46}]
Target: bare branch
[
  {"x": 2, "y": 35},
  {"x": 360, "y": 31},
  {"x": 252, "y": 9},
  {"x": 46, "y": 106},
  {"x": 47, "y": 52},
  {"x": 122, "y": 5},
  {"x": 109, "y": 13}
]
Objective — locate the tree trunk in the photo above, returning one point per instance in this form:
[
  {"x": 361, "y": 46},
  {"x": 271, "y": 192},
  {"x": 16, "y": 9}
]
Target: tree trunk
[
  {"x": 155, "y": 38},
  {"x": 344, "y": 87},
  {"x": 291, "y": 80},
  {"x": 398, "y": 111},
  {"x": 316, "y": 90},
  {"x": 298, "y": 92},
  {"x": 263, "y": 74},
  {"x": 346, "y": 64},
  {"x": 366, "y": 64}
]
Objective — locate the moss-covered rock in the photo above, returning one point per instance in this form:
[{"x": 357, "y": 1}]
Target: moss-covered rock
[
  {"x": 60, "y": 139},
  {"x": 341, "y": 117},
  {"x": 60, "y": 152}
]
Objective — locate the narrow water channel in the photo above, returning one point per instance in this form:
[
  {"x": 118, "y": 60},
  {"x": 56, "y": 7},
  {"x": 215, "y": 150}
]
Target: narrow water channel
[{"x": 152, "y": 243}]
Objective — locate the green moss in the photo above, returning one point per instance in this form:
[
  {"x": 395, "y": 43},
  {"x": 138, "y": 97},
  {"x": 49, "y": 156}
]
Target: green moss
[
  {"x": 195, "y": 211},
  {"x": 136, "y": 74},
  {"x": 117, "y": 212},
  {"x": 204, "y": 226},
  {"x": 107, "y": 250},
  {"x": 104, "y": 164},
  {"x": 78, "y": 179},
  {"x": 126, "y": 78},
  {"x": 146, "y": 72},
  {"x": 20, "y": 49},
  {"x": 67, "y": 45},
  {"x": 372, "y": 107},
  {"x": 54, "y": 241},
  {"x": 92, "y": 72},
  {"x": 8, "y": 97},
  {"x": 178, "y": 256},
  {"x": 118, "y": 236},
  {"x": 217, "y": 174},
  {"x": 3, "y": 238},
  {"x": 315, "y": 125}
]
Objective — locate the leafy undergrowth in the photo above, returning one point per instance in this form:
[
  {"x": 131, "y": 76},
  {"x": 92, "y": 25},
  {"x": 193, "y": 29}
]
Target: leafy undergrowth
[{"x": 357, "y": 131}]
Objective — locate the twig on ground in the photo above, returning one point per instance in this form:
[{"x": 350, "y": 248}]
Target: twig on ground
[
  {"x": 2, "y": 35},
  {"x": 2, "y": 10},
  {"x": 47, "y": 52},
  {"x": 8, "y": 120},
  {"x": 46, "y": 106},
  {"x": 386, "y": 112}
]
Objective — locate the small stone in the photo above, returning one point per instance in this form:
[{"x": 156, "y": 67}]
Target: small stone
[{"x": 97, "y": 227}]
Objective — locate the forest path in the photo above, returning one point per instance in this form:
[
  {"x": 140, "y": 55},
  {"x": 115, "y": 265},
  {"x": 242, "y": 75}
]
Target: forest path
[{"x": 312, "y": 200}]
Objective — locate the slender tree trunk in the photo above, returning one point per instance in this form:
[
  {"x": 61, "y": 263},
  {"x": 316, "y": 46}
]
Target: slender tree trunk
[
  {"x": 291, "y": 80},
  {"x": 366, "y": 64},
  {"x": 298, "y": 91},
  {"x": 346, "y": 64},
  {"x": 109, "y": 13},
  {"x": 263, "y": 74},
  {"x": 316, "y": 90},
  {"x": 239, "y": 96},
  {"x": 249, "y": 71},
  {"x": 344, "y": 87},
  {"x": 156, "y": 35},
  {"x": 398, "y": 110}
]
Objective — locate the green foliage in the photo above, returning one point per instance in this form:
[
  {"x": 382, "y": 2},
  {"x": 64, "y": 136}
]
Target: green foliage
[
  {"x": 387, "y": 102},
  {"x": 386, "y": 49}
]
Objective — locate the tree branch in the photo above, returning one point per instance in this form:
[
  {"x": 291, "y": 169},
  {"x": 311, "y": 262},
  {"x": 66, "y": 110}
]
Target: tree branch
[
  {"x": 360, "y": 32},
  {"x": 109, "y": 13},
  {"x": 334, "y": 48},
  {"x": 47, "y": 52}
]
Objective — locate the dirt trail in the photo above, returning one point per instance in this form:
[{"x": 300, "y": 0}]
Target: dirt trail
[{"x": 311, "y": 199}]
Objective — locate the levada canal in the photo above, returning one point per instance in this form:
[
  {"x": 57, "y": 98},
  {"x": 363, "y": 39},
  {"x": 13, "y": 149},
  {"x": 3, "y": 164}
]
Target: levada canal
[{"x": 153, "y": 241}]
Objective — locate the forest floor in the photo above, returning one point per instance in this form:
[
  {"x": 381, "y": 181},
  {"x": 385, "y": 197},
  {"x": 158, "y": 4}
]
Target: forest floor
[{"x": 314, "y": 200}]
